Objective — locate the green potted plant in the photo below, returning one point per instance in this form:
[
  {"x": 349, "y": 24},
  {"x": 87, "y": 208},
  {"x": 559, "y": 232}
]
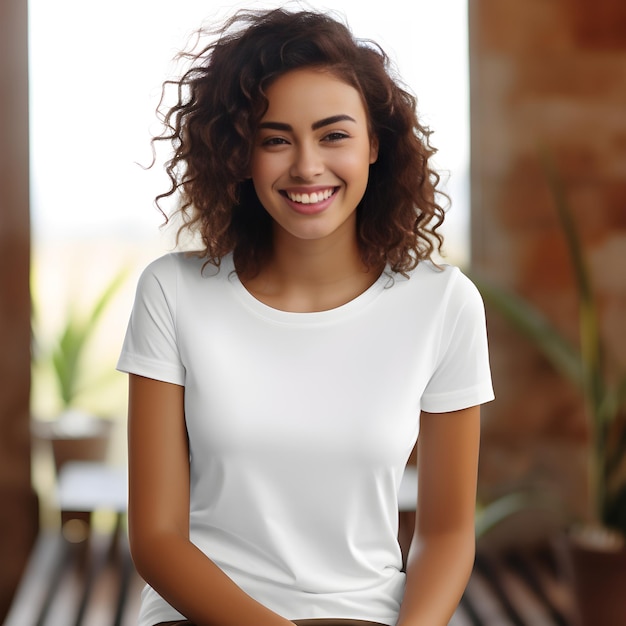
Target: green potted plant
[
  {"x": 596, "y": 546},
  {"x": 75, "y": 433}
]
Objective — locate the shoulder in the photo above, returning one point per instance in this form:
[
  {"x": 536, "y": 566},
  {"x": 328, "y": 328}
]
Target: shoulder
[
  {"x": 438, "y": 279},
  {"x": 442, "y": 289},
  {"x": 174, "y": 267},
  {"x": 175, "y": 276},
  {"x": 173, "y": 263}
]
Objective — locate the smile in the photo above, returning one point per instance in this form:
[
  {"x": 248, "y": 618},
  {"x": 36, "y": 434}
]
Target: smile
[{"x": 311, "y": 198}]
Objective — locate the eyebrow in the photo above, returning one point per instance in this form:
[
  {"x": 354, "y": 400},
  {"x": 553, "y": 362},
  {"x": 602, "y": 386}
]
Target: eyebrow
[{"x": 327, "y": 121}]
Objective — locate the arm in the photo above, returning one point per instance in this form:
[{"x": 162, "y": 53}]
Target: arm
[
  {"x": 159, "y": 515},
  {"x": 443, "y": 546}
]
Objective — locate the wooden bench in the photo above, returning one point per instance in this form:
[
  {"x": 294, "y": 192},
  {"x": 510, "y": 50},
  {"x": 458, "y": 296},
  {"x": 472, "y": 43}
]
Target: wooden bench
[
  {"x": 67, "y": 566},
  {"x": 93, "y": 582}
]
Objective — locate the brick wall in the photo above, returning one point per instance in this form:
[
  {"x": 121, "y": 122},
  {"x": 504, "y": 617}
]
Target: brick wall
[{"x": 551, "y": 73}]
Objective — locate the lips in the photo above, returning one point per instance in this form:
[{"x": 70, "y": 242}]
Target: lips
[
  {"x": 312, "y": 197},
  {"x": 310, "y": 201}
]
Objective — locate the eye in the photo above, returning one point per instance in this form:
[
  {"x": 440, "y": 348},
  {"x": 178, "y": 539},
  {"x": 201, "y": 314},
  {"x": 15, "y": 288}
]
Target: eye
[
  {"x": 274, "y": 141},
  {"x": 336, "y": 135}
]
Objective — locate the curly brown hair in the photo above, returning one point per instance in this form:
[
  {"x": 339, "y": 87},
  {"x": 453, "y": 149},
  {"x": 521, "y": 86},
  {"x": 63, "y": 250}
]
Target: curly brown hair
[{"x": 220, "y": 101}]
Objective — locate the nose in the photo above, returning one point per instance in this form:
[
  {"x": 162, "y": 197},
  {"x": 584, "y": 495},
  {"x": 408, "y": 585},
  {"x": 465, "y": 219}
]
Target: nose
[{"x": 307, "y": 162}]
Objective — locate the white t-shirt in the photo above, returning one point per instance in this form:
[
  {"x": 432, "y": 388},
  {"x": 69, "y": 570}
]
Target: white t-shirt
[{"x": 300, "y": 424}]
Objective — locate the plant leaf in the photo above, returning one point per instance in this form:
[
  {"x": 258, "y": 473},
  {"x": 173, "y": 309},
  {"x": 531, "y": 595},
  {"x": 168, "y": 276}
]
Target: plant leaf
[
  {"x": 535, "y": 326},
  {"x": 103, "y": 301},
  {"x": 591, "y": 345},
  {"x": 491, "y": 515},
  {"x": 78, "y": 329}
]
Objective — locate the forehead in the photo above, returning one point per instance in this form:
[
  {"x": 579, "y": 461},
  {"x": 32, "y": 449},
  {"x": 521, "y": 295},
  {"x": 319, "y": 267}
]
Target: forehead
[{"x": 314, "y": 93}]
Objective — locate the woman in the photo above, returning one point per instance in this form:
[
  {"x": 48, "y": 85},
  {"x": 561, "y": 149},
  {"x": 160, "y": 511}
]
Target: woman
[{"x": 279, "y": 377}]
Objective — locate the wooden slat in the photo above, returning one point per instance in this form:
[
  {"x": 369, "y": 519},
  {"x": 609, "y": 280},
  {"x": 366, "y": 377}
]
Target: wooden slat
[
  {"x": 40, "y": 583},
  {"x": 519, "y": 588}
]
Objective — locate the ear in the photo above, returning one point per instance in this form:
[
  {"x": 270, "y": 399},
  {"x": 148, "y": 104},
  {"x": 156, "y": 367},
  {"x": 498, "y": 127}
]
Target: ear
[{"x": 373, "y": 150}]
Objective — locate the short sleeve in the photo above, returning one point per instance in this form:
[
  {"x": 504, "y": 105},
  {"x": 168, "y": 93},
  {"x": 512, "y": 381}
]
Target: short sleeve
[
  {"x": 150, "y": 345},
  {"x": 462, "y": 376}
]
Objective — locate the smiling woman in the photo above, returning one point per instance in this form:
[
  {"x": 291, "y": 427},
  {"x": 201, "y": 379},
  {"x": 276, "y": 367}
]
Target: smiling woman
[{"x": 280, "y": 374}]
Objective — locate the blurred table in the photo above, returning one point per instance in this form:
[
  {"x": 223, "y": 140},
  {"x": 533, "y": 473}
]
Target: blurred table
[{"x": 89, "y": 486}]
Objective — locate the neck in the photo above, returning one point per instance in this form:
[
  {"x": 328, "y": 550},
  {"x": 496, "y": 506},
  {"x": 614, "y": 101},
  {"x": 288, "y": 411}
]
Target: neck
[
  {"x": 307, "y": 276},
  {"x": 316, "y": 263}
]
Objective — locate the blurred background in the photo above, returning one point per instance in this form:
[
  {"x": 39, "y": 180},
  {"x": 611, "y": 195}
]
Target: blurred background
[{"x": 527, "y": 104}]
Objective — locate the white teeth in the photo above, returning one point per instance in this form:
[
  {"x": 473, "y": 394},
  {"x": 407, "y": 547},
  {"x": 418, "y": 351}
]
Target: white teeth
[{"x": 310, "y": 198}]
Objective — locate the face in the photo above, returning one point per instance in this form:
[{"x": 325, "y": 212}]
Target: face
[{"x": 311, "y": 157}]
